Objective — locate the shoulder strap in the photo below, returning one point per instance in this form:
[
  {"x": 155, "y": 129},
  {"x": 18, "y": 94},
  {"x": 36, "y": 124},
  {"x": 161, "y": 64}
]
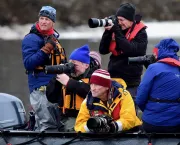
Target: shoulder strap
[{"x": 60, "y": 54}]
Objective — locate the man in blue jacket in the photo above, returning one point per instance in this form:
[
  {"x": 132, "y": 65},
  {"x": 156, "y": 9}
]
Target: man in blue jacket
[
  {"x": 39, "y": 48},
  {"x": 158, "y": 95}
]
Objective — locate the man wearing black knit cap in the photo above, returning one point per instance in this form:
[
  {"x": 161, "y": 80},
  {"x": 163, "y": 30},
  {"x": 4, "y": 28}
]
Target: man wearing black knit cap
[{"x": 125, "y": 38}]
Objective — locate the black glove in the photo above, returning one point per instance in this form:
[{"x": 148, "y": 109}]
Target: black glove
[
  {"x": 150, "y": 59},
  {"x": 116, "y": 28}
]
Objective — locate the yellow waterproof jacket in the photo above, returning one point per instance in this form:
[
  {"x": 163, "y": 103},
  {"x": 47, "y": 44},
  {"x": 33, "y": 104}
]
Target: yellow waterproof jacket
[{"x": 125, "y": 116}]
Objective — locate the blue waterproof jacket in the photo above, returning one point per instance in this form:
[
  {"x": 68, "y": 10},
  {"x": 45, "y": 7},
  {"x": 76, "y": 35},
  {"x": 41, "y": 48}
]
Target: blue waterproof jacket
[
  {"x": 161, "y": 80},
  {"x": 34, "y": 57}
]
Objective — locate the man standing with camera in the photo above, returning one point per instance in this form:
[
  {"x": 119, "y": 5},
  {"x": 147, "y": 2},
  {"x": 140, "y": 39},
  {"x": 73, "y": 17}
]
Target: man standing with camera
[
  {"x": 125, "y": 37},
  {"x": 69, "y": 91},
  {"x": 107, "y": 108},
  {"x": 39, "y": 48}
]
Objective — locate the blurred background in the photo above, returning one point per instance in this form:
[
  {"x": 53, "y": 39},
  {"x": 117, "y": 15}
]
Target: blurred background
[{"x": 17, "y": 16}]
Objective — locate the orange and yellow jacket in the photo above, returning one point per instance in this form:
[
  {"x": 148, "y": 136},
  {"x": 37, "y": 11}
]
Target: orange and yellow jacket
[{"x": 120, "y": 107}]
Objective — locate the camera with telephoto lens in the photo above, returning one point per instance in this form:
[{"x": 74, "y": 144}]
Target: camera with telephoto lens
[
  {"x": 94, "y": 22},
  {"x": 98, "y": 123},
  {"x": 66, "y": 68},
  {"x": 144, "y": 60}
]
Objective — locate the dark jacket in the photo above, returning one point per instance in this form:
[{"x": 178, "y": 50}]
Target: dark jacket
[
  {"x": 54, "y": 90},
  {"x": 118, "y": 65}
]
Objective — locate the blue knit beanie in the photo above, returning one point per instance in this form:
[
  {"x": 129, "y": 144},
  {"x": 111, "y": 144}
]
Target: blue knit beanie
[
  {"x": 81, "y": 54},
  {"x": 48, "y": 11}
]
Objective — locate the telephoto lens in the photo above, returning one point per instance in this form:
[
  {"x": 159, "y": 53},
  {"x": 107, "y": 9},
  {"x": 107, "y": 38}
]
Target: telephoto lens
[
  {"x": 136, "y": 60},
  {"x": 142, "y": 59},
  {"x": 67, "y": 68},
  {"x": 96, "y": 122},
  {"x": 94, "y": 22}
]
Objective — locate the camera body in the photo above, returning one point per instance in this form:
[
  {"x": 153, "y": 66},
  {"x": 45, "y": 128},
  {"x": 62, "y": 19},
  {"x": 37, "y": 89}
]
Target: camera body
[
  {"x": 67, "y": 68},
  {"x": 94, "y": 22}
]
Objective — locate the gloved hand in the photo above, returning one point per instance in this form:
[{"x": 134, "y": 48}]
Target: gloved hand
[
  {"x": 150, "y": 59},
  {"x": 49, "y": 45},
  {"x": 52, "y": 40}
]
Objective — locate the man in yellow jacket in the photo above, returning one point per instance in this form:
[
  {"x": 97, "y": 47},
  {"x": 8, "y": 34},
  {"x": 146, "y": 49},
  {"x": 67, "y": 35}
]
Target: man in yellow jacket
[{"x": 108, "y": 107}]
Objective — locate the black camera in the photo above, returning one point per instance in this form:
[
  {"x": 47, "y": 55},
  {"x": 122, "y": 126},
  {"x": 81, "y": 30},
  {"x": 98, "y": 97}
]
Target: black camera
[
  {"x": 94, "y": 22},
  {"x": 144, "y": 60},
  {"x": 99, "y": 122},
  {"x": 67, "y": 68}
]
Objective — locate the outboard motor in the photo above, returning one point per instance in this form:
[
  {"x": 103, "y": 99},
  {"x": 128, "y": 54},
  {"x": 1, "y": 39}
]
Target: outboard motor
[{"x": 12, "y": 112}]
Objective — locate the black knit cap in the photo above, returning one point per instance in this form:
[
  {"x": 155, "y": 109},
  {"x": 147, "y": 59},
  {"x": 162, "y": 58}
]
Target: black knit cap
[{"x": 127, "y": 11}]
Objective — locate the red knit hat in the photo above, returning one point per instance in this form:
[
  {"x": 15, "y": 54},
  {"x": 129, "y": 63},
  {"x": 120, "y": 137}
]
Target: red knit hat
[{"x": 101, "y": 77}]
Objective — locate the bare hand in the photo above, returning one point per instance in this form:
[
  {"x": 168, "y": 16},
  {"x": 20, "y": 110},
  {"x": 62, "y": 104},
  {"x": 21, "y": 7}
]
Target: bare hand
[{"x": 63, "y": 79}]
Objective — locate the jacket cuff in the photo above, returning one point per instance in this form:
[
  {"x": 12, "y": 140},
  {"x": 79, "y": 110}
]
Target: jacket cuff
[
  {"x": 86, "y": 129},
  {"x": 119, "y": 123}
]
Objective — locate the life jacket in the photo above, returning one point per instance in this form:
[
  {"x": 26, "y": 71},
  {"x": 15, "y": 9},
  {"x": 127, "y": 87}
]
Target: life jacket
[
  {"x": 57, "y": 56},
  {"x": 96, "y": 106},
  {"x": 131, "y": 34},
  {"x": 170, "y": 61},
  {"x": 72, "y": 101}
]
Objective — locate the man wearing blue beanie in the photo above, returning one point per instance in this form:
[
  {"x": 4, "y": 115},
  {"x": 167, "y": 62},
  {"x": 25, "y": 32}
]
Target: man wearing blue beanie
[
  {"x": 41, "y": 47},
  {"x": 70, "y": 91}
]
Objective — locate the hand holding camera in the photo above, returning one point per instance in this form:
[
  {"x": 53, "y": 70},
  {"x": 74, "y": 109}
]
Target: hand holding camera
[
  {"x": 63, "y": 78},
  {"x": 50, "y": 44},
  {"x": 51, "y": 40}
]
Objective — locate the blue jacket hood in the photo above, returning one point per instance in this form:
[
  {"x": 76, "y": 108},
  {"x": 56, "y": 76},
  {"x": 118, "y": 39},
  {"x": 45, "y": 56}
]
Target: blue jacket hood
[{"x": 167, "y": 48}]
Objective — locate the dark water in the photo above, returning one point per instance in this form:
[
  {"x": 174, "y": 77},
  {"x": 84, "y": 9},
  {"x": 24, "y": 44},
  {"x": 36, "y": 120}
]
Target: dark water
[{"x": 13, "y": 79}]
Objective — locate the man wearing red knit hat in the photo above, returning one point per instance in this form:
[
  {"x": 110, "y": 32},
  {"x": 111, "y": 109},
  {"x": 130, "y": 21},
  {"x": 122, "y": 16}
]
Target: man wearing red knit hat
[{"x": 107, "y": 108}]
